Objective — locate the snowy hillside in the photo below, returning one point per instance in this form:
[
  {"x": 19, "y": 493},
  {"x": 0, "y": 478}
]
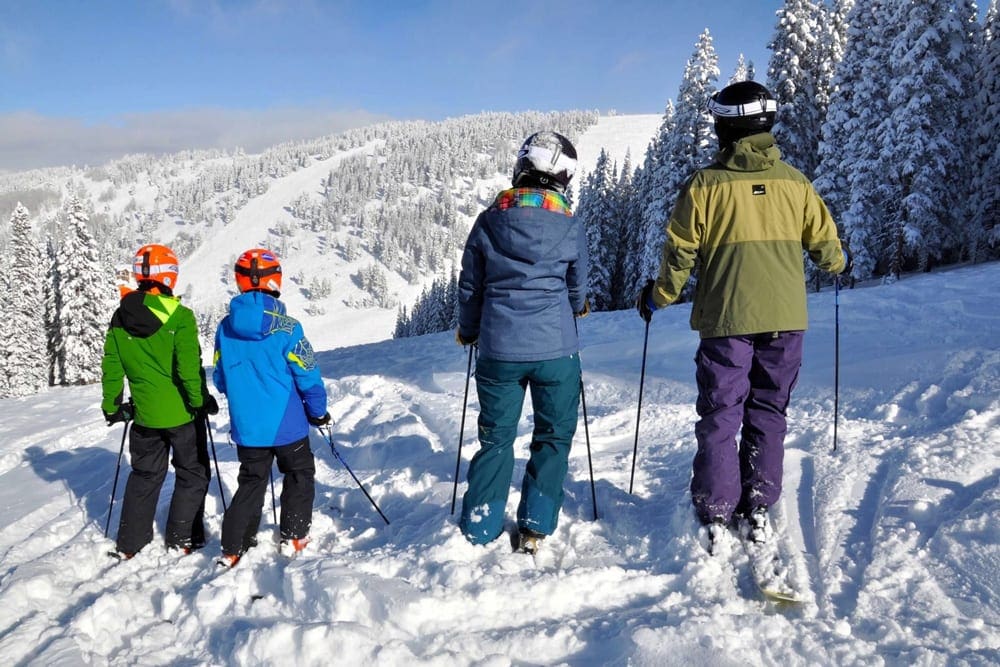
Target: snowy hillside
[{"x": 896, "y": 536}]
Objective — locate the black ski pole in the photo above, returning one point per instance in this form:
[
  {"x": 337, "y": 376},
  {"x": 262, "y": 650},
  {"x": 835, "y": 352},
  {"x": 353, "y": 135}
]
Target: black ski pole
[
  {"x": 836, "y": 357},
  {"x": 274, "y": 501},
  {"x": 586, "y": 431},
  {"x": 336, "y": 454},
  {"x": 638, "y": 416},
  {"x": 118, "y": 467},
  {"x": 461, "y": 429},
  {"x": 218, "y": 475}
]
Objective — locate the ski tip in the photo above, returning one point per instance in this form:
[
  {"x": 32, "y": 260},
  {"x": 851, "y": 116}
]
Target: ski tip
[{"x": 783, "y": 597}]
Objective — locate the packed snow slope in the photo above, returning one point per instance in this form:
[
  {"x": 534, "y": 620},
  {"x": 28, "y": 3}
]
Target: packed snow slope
[{"x": 894, "y": 537}]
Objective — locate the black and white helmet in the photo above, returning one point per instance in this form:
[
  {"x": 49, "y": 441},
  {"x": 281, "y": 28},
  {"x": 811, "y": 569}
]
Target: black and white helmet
[
  {"x": 547, "y": 160},
  {"x": 742, "y": 109}
]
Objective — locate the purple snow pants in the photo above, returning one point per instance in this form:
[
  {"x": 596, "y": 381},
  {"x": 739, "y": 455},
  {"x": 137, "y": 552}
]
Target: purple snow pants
[{"x": 744, "y": 385}]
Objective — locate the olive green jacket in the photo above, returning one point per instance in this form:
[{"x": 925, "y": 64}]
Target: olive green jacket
[
  {"x": 153, "y": 341},
  {"x": 744, "y": 221}
]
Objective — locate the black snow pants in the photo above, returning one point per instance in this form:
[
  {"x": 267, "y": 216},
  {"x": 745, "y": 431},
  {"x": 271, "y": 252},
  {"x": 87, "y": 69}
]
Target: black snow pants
[
  {"x": 296, "y": 463},
  {"x": 150, "y": 449}
]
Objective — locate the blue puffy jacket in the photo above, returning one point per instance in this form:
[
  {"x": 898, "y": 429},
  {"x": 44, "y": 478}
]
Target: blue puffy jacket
[
  {"x": 524, "y": 276},
  {"x": 266, "y": 367}
]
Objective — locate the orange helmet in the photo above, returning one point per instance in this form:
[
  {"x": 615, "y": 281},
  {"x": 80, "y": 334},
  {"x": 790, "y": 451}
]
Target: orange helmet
[
  {"x": 157, "y": 263},
  {"x": 258, "y": 269}
]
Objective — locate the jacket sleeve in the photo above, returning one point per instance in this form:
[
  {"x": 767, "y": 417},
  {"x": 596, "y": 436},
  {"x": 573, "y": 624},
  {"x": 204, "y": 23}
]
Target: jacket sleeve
[
  {"x": 187, "y": 359},
  {"x": 819, "y": 235},
  {"x": 680, "y": 251},
  {"x": 112, "y": 375},
  {"x": 301, "y": 361},
  {"x": 470, "y": 283},
  {"x": 218, "y": 374},
  {"x": 577, "y": 276}
]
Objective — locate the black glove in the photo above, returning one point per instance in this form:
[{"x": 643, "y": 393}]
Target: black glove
[
  {"x": 848, "y": 260},
  {"x": 209, "y": 407},
  {"x": 319, "y": 421},
  {"x": 643, "y": 301},
  {"x": 586, "y": 309},
  {"x": 463, "y": 340},
  {"x": 122, "y": 414}
]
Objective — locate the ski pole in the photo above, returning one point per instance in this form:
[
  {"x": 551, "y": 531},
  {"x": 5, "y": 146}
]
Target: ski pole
[
  {"x": 461, "y": 429},
  {"x": 118, "y": 467},
  {"x": 836, "y": 356},
  {"x": 218, "y": 475},
  {"x": 586, "y": 431},
  {"x": 274, "y": 501},
  {"x": 329, "y": 438},
  {"x": 638, "y": 416}
]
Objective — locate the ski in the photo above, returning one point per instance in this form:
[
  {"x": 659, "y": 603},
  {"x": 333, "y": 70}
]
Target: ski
[{"x": 770, "y": 570}]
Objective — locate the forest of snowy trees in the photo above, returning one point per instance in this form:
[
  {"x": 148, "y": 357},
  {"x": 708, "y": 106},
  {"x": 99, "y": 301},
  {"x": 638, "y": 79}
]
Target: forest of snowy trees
[
  {"x": 389, "y": 207},
  {"x": 891, "y": 108}
]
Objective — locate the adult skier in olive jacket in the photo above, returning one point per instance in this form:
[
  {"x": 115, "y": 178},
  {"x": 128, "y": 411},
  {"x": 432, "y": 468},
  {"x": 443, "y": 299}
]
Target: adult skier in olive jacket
[
  {"x": 523, "y": 279},
  {"x": 153, "y": 341},
  {"x": 744, "y": 221}
]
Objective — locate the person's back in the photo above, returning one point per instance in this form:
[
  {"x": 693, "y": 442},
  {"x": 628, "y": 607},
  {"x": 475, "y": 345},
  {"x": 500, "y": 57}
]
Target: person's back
[
  {"x": 263, "y": 362},
  {"x": 533, "y": 251},
  {"x": 753, "y": 215}
]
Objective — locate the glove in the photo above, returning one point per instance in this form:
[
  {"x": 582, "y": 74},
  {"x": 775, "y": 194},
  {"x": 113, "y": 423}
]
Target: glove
[
  {"x": 848, "y": 260},
  {"x": 319, "y": 421},
  {"x": 462, "y": 340},
  {"x": 586, "y": 309},
  {"x": 644, "y": 302},
  {"x": 209, "y": 407},
  {"x": 124, "y": 413}
]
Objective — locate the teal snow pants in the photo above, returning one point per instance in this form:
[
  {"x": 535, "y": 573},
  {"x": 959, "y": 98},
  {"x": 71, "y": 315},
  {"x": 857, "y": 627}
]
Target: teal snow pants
[{"x": 555, "y": 398}]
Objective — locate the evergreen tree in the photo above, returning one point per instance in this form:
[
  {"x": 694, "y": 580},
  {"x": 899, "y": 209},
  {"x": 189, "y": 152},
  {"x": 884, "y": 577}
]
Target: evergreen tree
[
  {"x": 625, "y": 279},
  {"x": 596, "y": 211},
  {"x": 84, "y": 294},
  {"x": 740, "y": 72},
  {"x": 985, "y": 200},
  {"x": 793, "y": 78},
  {"x": 6, "y": 330},
  {"x": 932, "y": 60},
  {"x": 686, "y": 143},
  {"x": 27, "y": 362}
]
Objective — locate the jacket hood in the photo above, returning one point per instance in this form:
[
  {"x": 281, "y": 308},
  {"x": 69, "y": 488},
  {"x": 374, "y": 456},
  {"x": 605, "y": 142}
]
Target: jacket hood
[
  {"x": 754, "y": 153},
  {"x": 530, "y": 234},
  {"x": 141, "y": 314},
  {"x": 253, "y": 315}
]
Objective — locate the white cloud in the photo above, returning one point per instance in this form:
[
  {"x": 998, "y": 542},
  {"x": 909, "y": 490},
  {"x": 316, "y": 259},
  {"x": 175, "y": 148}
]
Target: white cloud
[{"x": 29, "y": 140}]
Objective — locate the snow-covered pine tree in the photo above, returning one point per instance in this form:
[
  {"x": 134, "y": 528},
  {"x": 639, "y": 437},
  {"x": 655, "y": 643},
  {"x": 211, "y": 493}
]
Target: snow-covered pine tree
[
  {"x": 985, "y": 200},
  {"x": 792, "y": 77},
  {"x": 597, "y": 212},
  {"x": 6, "y": 328},
  {"x": 932, "y": 64},
  {"x": 848, "y": 178},
  {"x": 625, "y": 279},
  {"x": 84, "y": 300},
  {"x": 740, "y": 72},
  {"x": 686, "y": 142},
  {"x": 26, "y": 347}
]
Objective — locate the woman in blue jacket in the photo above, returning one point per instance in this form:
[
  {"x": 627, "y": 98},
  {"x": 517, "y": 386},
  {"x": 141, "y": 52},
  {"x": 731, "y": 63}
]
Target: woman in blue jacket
[
  {"x": 523, "y": 279},
  {"x": 266, "y": 367}
]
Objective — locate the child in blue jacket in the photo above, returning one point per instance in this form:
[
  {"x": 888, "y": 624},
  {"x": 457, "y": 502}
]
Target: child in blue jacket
[
  {"x": 523, "y": 280},
  {"x": 266, "y": 367}
]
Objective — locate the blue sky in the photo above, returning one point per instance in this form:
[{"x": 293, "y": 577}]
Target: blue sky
[{"x": 84, "y": 82}]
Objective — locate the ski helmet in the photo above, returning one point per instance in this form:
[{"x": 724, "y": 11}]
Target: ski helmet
[
  {"x": 546, "y": 159},
  {"x": 156, "y": 263},
  {"x": 258, "y": 269},
  {"x": 742, "y": 109}
]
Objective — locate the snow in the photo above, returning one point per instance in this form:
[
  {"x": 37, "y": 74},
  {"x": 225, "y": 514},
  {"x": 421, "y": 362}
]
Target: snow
[{"x": 895, "y": 537}]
